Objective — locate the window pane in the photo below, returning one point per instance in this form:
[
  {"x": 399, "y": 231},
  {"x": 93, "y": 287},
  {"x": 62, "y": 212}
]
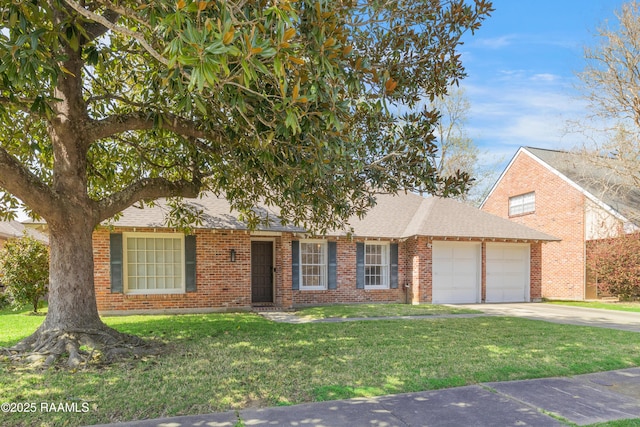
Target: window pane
[
  {"x": 376, "y": 271},
  {"x": 312, "y": 264},
  {"x": 522, "y": 204},
  {"x": 154, "y": 263}
]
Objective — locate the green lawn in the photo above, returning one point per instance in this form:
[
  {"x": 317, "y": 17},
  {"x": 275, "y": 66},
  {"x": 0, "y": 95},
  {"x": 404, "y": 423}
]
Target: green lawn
[
  {"x": 620, "y": 306},
  {"x": 379, "y": 310},
  {"x": 218, "y": 362}
]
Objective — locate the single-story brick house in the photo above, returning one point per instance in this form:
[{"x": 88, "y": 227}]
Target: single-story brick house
[
  {"x": 407, "y": 249},
  {"x": 570, "y": 196}
]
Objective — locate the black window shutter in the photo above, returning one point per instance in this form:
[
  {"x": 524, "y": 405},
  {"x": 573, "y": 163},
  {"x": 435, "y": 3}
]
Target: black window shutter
[
  {"x": 115, "y": 249},
  {"x": 190, "y": 263},
  {"x": 359, "y": 265},
  {"x": 295, "y": 264},
  {"x": 333, "y": 264},
  {"x": 393, "y": 255}
]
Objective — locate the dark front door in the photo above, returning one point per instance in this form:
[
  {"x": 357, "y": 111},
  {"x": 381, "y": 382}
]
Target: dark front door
[{"x": 261, "y": 272}]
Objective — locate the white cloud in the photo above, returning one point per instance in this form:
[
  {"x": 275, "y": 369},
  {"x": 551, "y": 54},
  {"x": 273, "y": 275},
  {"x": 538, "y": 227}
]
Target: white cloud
[
  {"x": 525, "y": 109},
  {"x": 545, "y": 77},
  {"x": 494, "y": 42}
]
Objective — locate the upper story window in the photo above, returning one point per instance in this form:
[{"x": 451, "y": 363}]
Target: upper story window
[
  {"x": 376, "y": 265},
  {"x": 153, "y": 263},
  {"x": 313, "y": 265},
  {"x": 522, "y": 204}
]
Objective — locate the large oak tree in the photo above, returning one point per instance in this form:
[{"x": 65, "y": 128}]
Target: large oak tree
[{"x": 106, "y": 103}]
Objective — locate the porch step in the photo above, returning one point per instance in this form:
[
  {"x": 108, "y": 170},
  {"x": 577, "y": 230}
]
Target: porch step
[{"x": 265, "y": 307}]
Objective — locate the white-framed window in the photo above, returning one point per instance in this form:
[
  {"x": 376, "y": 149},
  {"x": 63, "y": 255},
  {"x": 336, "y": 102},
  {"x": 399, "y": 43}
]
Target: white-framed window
[
  {"x": 313, "y": 264},
  {"x": 522, "y": 204},
  {"x": 153, "y": 263},
  {"x": 376, "y": 265}
]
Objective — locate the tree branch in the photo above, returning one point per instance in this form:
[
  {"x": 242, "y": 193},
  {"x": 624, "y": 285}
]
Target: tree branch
[
  {"x": 117, "y": 29},
  {"x": 95, "y": 29},
  {"x": 23, "y": 184},
  {"x": 118, "y": 124},
  {"x": 146, "y": 189},
  {"x": 22, "y": 104}
]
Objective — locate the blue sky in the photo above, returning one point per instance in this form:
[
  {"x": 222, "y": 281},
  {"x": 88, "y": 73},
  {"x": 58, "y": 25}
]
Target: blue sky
[{"x": 522, "y": 67}]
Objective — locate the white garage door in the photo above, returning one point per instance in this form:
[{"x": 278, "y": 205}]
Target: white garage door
[
  {"x": 456, "y": 272},
  {"x": 507, "y": 272}
]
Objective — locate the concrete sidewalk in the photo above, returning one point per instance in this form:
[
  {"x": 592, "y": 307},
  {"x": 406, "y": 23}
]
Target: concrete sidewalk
[{"x": 582, "y": 400}]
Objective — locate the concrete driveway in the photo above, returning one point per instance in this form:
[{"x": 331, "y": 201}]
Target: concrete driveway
[{"x": 623, "y": 320}]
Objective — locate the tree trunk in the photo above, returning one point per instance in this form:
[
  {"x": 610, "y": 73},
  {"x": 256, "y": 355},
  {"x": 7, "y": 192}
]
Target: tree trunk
[
  {"x": 72, "y": 299},
  {"x": 72, "y": 320}
]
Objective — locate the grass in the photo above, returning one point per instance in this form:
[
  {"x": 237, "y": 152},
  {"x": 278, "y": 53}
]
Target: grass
[
  {"x": 380, "y": 310},
  {"x": 619, "y": 306},
  {"x": 619, "y": 423},
  {"x": 218, "y": 362}
]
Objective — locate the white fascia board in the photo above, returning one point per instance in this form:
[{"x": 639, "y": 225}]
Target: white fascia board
[{"x": 513, "y": 159}]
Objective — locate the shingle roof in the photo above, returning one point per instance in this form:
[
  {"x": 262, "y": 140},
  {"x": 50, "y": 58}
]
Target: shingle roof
[
  {"x": 394, "y": 216},
  {"x": 14, "y": 229},
  {"x": 217, "y": 215},
  {"x": 599, "y": 178}
]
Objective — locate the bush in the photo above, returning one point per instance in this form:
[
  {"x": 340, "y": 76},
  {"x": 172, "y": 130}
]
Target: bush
[
  {"x": 4, "y": 300},
  {"x": 24, "y": 265},
  {"x": 616, "y": 265}
]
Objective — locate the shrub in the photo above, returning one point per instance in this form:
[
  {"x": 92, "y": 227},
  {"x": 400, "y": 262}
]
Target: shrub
[
  {"x": 24, "y": 265},
  {"x": 4, "y": 300},
  {"x": 616, "y": 265}
]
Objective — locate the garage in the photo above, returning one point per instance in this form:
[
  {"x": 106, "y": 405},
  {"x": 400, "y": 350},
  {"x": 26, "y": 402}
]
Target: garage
[
  {"x": 507, "y": 267},
  {"x": 456, "y": 272}
]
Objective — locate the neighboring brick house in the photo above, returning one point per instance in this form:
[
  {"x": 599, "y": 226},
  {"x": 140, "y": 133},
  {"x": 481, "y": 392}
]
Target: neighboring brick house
[
  {"x": 407, "y": 249},
  {"x": 566, "y": 195}
]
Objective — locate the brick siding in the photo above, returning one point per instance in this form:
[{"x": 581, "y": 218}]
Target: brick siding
[
  {"x": 226, "y": 285},
  {"x": 560, "y": 212}
]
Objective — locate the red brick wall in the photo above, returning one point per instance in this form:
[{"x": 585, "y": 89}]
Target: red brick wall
[
  {"x": 560, "y": 212},
  {"x": 226, "y": 285},
  {"x": 221, "y": 284},
  {"x": 346, "y": 291},
  {"x": 535, "y": 268},
  {"x": 418, "y": 267}
]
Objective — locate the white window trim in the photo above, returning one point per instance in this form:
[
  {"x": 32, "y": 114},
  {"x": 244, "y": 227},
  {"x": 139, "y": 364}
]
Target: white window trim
[
  {"x": 325, "y": 248},
  {"x": 125, "y": 264},
  {"x": 520, "y": 200},
  {"x": 386, "y": 278}
]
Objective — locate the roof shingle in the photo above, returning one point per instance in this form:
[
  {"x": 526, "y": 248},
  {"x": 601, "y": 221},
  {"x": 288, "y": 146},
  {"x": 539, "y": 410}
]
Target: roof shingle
[
  {"x": 394, "y": 217},
  {"x": 598, "y": 176}
]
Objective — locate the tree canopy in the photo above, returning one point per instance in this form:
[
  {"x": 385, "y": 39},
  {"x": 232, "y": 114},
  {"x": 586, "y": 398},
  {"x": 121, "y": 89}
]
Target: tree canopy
[
  {"x": 292, "y": 102},
  {"x": 107, "y": 103}
]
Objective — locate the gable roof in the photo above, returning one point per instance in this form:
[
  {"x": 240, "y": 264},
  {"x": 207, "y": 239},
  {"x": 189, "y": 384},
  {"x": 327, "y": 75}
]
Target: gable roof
[
  {"x": 396, "y": 216},
  {"x": 15, "y": 229},
  {"x": 216, "y": 215},
  {"x": 597, "y": 178}
]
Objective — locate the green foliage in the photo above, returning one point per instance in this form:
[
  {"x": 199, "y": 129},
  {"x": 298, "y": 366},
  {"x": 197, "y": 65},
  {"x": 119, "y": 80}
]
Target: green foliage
[
  {"x": 616, "y": 265},
  {"x": 24, "y": 265},
  {"x": 310, "y": 106},
  {"x": 4, "y": 300}
]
